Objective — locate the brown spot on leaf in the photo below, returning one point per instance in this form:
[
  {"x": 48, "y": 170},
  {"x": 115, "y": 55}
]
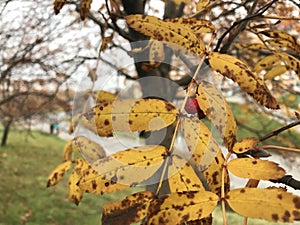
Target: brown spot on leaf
[
  {"x": 296, "y": 201},
  {"x": 275, "y": 217},
  {"x": 106, "y": 122}
]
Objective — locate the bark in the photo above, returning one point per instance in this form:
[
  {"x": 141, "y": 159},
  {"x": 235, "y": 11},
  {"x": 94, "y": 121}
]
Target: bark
[{"x": 6, "y": 125}]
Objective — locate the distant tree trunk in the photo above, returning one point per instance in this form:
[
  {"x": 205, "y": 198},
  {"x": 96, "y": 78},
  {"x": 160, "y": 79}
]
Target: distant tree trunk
[{"x": 6, "y": 124}]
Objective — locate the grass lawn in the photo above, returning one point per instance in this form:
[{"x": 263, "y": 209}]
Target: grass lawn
[{"x": 25, "y": 165}]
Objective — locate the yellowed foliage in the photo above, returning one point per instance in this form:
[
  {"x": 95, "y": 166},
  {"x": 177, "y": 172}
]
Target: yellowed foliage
[
  {"x": 156, "y": 53},
  {"x": 279, "y": 34},
  {"x": 129, "y": 115},
  {"x": 245, "y": 145},
  {"x": 213, "y": 175},
  {"x": 103, "y": 96},
  {"x": 58, "y": 173},
  {"x": 177, "y": 208},
  {"x": 74, "y": 191},
  {"x": 58, "y": 4},
  {"x": 239, "y": 72},
  {"x": 282, "y": 44},
  {"x": 179, "y": 2},
  {"x": 275, "y": 71},
  {"x": 105, "y": 41},
  {"x": 266, "y": 62},
  {"x": 116, "y": 213},
  {"x": 197, "y": 26},
  {"x": 169, "y": 32},
  {"x": 89, "y": 149},
  {"x": 253, "y": 46},
  {"x": 201, "y": 4},
  {"x": 216, "y": 108},
  {"x": 200, "y": 141},
  {"x": 290, "y": 61},
  {"x": 255, "y": 169},
  {"x": 126, "y": 168},
  {"x": 269, "y": 204},
  {"x": 68, "y": 150},
  {"x": 182, "y": 176},
  {"x": 85, "y": 6}
]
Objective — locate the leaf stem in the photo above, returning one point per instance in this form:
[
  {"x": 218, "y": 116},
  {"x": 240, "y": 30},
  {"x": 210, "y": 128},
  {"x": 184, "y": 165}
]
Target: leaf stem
[
  {"x": 280, "y": 148},
  {"x": 223, "y": 187}
]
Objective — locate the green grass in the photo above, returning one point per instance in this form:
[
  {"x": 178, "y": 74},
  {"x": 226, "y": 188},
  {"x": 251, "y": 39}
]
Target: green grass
[{"x": 25, "y": 165}]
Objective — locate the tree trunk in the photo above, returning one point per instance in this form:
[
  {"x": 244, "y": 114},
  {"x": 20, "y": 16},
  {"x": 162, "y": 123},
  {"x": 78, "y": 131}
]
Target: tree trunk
[{"x": 6, "y": 125}]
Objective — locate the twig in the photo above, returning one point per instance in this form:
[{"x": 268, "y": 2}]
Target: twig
[
  {"x": 289, "y": 181},
  {"x": 280, "y": 148},
  {"x": 278, "y": 131}
]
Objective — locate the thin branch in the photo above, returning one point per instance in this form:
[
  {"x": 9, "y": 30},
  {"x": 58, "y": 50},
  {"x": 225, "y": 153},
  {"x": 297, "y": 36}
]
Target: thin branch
[
  {"x": 278, "y": 131},
  {"x": 259, "y": 13},
  {"x": 289, "y": 181}
]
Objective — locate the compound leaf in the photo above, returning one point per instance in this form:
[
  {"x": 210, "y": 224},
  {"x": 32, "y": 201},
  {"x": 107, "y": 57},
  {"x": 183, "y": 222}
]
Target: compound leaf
[
  {"x": 68, "y": 150},
  {"x": 126, "y": 168},
  {"x": 275, "y": 71},
  {"x": 58, "y": 173},
  {"x": 200, "y": 141},
  {"x": 255, "y": 169},
  {"x": 176, "y": 33},
  {"x": 74, "y": 191},
  {"x": 129, "y": 115},
  {"x": 269, "y": 204},
  {"x": 245, "y": 145},
  {"x": 90, "y": 150},
  {"x": 177, "y": 208},
  {"x": 239, "y": 72},
  {"x": 130, "y": 210},
  {"x": 182, "y": 176},
  {"x": 101, "y": 96},
  {"x": 216, "y": 108}
]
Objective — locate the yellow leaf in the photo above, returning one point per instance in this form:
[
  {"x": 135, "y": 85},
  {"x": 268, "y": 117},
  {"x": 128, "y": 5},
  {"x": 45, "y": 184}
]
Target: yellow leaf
[
  {"x": 182, "y": 176},
  {"x": 200, "y": 141},
  {"x": 197, "y": 26},
  {"x": 269, "y": 204},
  {"x": 213, "y": 175},
  {"x": 279, "y": 34},
  {"x": 216, "y": 108},
  {"x": 129, "y": 115},
  {"x": 156, "y": 53},
  {"x": 275, "y": 71},
  {"x": 255, "y": 169},
  {"x": 58, "y": 173},
  {"x": 85, "y": 6},
  {"x": 169, "y": 32},
  {"x": 290, "y": 61},
  {"x": 89, "y": 149},
  {"x": 105, "y": 42},
  {"x": 253, "y": 46},
  {"x": 245, "y": 145},
  {"x": 202, "y": 4},
  {"x": 117, "y": 213},
  {"x": 58, "y": 4},
  {"x": 239, "y": 72},
  {"x": 266, "y": 62},
  {"x": 74, "y": 191},
  {"x": 177, "y": 208},
  {"x": 94, "y": 183},
  {"x": 127, "y": 168},
  {"x": 103, "y": 96},
  {"x": 179, "y": 2},
  {"x": 280, "y": 44},
  {"x": 68, "y": 150}
]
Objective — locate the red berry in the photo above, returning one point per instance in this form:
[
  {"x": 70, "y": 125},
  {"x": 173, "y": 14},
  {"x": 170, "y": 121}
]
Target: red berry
[{"x": 192, "y": 107}]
